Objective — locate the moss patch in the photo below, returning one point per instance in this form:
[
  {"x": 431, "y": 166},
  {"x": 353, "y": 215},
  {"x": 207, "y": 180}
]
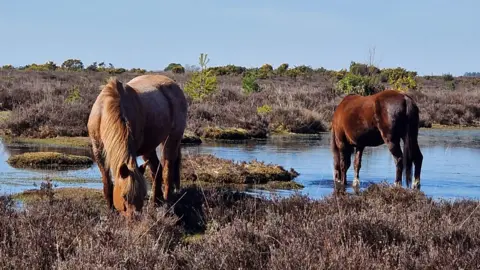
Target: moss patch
[
  {"x": 452, "y": 127},
  {"x": 4, "y": 115},
  {"x": 225, "y": 133},
  {"x": 208, "y": 168},
  {"x": 191, "y": 138},
  {"x": 211, "y": 171},
  {"x": 49, "y": 160},
  {"x": 82, "y": 142}
]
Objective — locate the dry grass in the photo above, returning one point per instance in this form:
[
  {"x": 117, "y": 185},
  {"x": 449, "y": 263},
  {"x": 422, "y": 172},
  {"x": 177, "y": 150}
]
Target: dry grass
[
  {"x": 45, "y": 104},
  {"x": 383, "y": 228}
]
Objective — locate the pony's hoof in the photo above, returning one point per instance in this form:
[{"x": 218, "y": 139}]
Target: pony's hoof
[
  {"x": 416, "y": 185},
  {"x": 356, "y": 183}
]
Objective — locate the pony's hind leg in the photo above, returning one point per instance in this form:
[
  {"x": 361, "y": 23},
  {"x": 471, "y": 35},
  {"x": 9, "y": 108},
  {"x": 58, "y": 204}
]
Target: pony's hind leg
[
  {"x": 156, "y": 174},
  {"x": 171, "y": 165},
  {"x": 105, "y": 171},
  {"x": 357, "y": 165},
  {"x": 396, "y": 151},
  {"x": 345, "y": 162},
  {"x": 417, "y": 160}
]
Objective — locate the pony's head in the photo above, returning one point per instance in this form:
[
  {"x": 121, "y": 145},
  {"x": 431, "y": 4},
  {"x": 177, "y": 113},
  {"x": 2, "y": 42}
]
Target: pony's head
[{"x": 129, "y": 190}]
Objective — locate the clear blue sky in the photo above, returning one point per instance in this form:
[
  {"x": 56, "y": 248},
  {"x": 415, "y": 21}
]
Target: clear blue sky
[{"x": 429, "y": 36}]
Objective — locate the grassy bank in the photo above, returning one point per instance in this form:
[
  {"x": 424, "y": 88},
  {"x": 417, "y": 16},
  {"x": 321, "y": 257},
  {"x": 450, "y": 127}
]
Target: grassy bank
[
  {"x": 382, "y": 228},
  {"x": 57, "y": 103},
  {"x": 49, "y": 160}
]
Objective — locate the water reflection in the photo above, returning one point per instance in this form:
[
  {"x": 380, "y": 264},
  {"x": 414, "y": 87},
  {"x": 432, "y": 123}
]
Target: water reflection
[{"x": 449, "y": 168}]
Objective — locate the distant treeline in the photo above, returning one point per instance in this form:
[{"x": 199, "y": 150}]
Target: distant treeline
[{"x": 263, "y": 71}]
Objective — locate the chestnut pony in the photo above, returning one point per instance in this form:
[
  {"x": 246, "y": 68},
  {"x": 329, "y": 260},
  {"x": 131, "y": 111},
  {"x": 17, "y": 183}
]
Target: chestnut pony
[
  {"x": 385, "y": 117},
  {"x": 130, "y": 120}
]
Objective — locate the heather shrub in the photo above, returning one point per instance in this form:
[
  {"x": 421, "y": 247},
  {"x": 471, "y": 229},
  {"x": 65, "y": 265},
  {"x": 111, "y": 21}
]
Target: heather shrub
[{"x": 249, "y": 83}]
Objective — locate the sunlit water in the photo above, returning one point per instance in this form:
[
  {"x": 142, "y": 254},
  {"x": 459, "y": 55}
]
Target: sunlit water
[{"x": 451, "y": 165}]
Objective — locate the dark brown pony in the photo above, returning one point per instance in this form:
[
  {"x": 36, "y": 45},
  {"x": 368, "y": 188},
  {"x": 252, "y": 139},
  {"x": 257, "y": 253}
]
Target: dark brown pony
[
  {"x": 385, "y": 117},
  {"x": 129, "y": 120}
]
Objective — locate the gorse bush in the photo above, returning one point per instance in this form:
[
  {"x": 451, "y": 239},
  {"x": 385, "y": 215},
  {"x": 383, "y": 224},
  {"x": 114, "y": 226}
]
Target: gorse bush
[
  {"x": 400, "y": 78},
  {"x": 203, "y": 83},
  {"x": 228, "y": 70},
  {"x": 357, "y": 84},
  {"x": 303, "y": 70},
  {"x": 282, "y": 69},
  {"x": 265, "y": 71},
  {"x": 265, "y": 109}
]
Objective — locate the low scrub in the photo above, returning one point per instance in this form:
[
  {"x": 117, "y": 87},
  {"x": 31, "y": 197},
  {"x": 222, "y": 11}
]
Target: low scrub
[{"x": 383, "y": 227}]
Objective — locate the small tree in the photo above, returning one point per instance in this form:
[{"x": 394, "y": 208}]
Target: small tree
[
  {"x": 175, "y": 68},
  {"x": 72, "y": 64},
  {"x": 203, "y": 83},
  {"x": 249, "y": 83}
]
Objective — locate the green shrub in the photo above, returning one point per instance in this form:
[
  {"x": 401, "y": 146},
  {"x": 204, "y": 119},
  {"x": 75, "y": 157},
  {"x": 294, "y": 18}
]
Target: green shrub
[
  {"x": 178, "y": 70},
  {"x": 74, "y": 95},
  {"x": 138, "y": 70},
  {"x": 72, "y": 65},
  {"x": 228, "y": 70},
  {"x": 356, "y": 84},
  {"x": 363, "y": 69},
  {"x": 249, "y": 83},
  {"x": 264, "y": 71},
  {"x": 203, "y": 83},
  {"x": 265, "y": 109},
  {"x": 302, "y": 70},
  {"x": 282, "y": 69},
  {"x": 448, "y": 77},
  {"x": 8, "y": 67},
  {"x": 171, "y": 66}
]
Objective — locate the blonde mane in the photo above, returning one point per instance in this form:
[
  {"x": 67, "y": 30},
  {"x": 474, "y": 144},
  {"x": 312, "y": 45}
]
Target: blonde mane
[{"x": 116, "y": 133}]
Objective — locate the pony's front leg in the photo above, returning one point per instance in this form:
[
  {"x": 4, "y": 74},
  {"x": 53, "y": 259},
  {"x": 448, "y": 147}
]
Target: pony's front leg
[
  {"x": 357, "y": 165},
  {"x": 105, "y": 172},
  {"x": 156, "y": 174},
  {"x": 171, "y": 166}
]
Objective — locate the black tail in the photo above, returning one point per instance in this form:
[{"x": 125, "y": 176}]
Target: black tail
[{"x": 411, "y": 135}]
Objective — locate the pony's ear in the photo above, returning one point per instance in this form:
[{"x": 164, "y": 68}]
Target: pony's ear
[
  {"x": 119, "y": 85},
  {"x": 124, "y": 172}
]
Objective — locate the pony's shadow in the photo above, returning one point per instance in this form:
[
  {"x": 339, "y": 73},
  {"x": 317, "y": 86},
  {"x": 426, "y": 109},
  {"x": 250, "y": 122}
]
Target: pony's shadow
[{"x": 187, "y": 206}]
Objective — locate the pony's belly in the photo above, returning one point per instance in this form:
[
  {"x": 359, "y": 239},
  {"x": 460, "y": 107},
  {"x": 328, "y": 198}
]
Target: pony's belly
[
  {"x": 151, "y": 141},
  {"x": 371, "y": 138}
]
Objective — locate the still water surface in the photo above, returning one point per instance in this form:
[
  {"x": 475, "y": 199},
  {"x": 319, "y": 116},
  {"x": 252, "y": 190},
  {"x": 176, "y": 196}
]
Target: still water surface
[{"x": 451, "y": 165}]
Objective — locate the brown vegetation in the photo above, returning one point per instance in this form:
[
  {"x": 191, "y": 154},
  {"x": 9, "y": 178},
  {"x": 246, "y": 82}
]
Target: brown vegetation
[
  {"x": 57, "y": 103},
  {"x": 383, "y": 228},
  {"x": 208, "y": 168}
]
